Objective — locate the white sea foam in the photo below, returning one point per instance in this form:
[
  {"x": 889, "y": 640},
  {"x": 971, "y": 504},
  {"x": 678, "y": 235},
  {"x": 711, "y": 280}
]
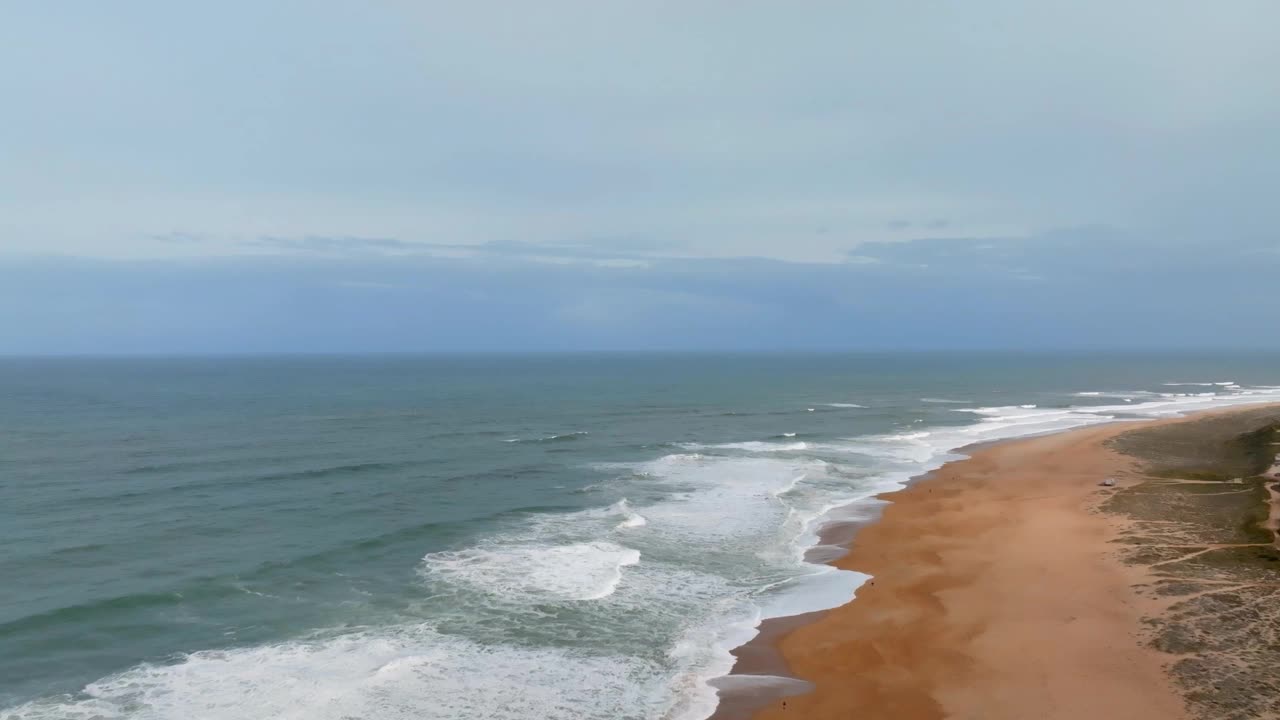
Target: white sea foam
[
  {"x": 1123, "y": 394},
  {"x": 822, "y": 588},
  {"x": 909, "y": 436},
  {"x": 633, "y": 521},
  {"x": 394, "y": 673},
  {"x": 581, "y": 571},
  {"x": 845, "y": 405},
  {"x": 630, "y": 518},
  {"x": 731, "y": 520},
  {"x": 735, "y": 490},
  {"x": 789, "y": 486},
  {"x": 750, "y": 446},
  {"x": 1001, "y": 422},
  {"x": 550, "y": 438},
  {"x": 722, "y": 497},
  {"x": 704, "y": 653}
]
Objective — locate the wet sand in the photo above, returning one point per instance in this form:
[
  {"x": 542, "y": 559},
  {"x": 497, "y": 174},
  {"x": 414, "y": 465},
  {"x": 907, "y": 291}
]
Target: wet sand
[{"x": 997, "y": 593}]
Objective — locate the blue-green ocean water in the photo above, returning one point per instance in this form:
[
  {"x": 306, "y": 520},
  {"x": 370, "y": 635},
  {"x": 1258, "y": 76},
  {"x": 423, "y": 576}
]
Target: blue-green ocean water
[{"x": 576, "y": 536}]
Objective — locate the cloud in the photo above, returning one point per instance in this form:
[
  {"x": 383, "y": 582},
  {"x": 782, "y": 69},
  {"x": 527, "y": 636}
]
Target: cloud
[
  {"x": 424, "y": 175},
  {"x": 717, "y": 131},
  {"x": 314, "y": 244},
  {"x": 1071, "y": 289},
  {"x": 179, "y": 238},
  {"x": 507, "y": 251}
]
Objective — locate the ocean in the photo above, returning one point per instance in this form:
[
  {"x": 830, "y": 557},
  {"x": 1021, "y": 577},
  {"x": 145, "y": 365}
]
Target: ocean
[{"x": 545, "y": 536}]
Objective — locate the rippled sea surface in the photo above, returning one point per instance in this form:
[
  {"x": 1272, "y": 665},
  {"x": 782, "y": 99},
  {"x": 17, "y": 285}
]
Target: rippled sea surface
[{"x": 553, "y": 536}]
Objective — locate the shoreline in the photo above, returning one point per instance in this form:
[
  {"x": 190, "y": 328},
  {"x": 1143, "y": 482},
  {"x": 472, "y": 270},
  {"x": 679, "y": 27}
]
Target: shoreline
[{"x": 949, "y": 628}]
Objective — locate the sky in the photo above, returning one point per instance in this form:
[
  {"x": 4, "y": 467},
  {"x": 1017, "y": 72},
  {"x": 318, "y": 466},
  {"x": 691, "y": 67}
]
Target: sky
[{"x": 388, "y": 176}]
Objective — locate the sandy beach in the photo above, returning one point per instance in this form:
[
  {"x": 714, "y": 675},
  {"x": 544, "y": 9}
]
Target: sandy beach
[{"x": 1011, "y": 585}]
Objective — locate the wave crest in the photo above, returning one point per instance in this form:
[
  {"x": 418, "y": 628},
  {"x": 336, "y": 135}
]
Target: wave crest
[{"x": 581, "y": 571}]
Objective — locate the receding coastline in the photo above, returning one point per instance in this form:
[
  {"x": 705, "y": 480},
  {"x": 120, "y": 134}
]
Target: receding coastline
[{"x": 1011, "y": 585}]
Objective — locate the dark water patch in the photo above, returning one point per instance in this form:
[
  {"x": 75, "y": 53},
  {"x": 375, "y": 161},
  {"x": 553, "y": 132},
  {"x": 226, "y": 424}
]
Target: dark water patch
[
  {"x": 536, "y": 510},
  {"x": 517, "y": 473},
  {"x": 416, "y": 540},
  {"x": 289, "y": 476},
  {"x": 132, "y": 493},
  {"x": 96, "y": 611},
  {"x": 557, "y": 438},
  {"x": 347, "y": 469},
  {"x": 464, "y": 433},
  {"x": 78, "y": 549},
  {"x": 184, "y": 466}
]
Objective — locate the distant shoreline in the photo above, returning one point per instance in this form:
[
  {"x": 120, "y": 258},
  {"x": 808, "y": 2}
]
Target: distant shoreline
[{"x": 1005, "y": 586}]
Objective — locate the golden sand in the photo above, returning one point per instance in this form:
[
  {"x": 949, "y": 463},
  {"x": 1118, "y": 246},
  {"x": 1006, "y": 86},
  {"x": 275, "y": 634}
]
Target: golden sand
[{"x": 997, "y": 595}]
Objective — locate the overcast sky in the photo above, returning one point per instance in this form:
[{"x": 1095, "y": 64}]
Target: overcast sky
[{"x": 381, "y": 175}]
